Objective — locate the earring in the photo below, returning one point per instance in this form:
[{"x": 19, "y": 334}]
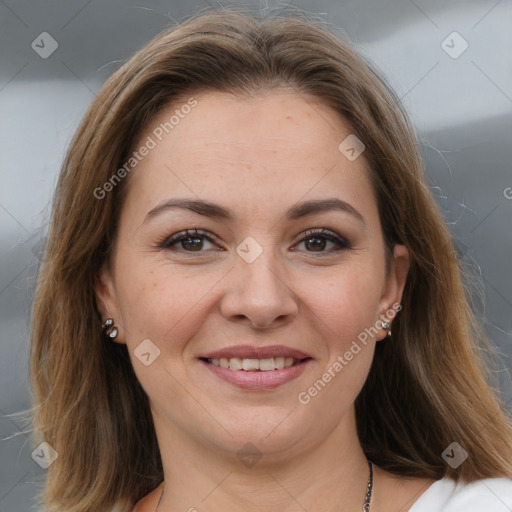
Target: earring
[
  {"x": 386, "y": 326},
  {"x": 109, "y": 329}
]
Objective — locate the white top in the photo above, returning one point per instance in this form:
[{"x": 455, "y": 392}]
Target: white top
[{"x": 445, "y": 495}]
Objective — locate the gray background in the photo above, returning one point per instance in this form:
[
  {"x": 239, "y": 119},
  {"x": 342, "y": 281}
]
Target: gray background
[{"x": 461, "y": 107}]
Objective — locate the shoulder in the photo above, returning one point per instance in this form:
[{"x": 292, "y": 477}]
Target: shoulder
[
  {"x": 493, "y": 494},
  {"x": 149, "y": 502}
]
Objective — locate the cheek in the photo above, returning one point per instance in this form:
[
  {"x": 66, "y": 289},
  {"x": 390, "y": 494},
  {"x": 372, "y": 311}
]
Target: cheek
[
  {"x": 164, "y": 311},
  {"x": 345, "y": 312},
  {"x": 345, "y": 301},
  {"x": 160, "y": 302}
]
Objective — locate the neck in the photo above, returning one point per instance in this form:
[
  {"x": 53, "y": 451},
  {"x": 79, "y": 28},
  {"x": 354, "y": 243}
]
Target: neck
[{"x": 331, "y": 475}]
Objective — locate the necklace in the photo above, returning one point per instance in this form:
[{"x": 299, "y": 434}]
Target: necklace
[
  {"x": 368, "y": 496},
  {"x": 369, "y": 488}
]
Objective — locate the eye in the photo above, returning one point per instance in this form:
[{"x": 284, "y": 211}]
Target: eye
[
  {"x": 314, "y": 240},
  {"x": 190, "y": 241},
  {"x": 318, "y": 240}
]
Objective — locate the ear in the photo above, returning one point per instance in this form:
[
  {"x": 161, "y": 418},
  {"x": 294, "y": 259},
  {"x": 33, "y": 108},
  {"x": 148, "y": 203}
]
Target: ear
[
  {"x": 106, "y": 301},
  {"x": 395, "y": 284}
]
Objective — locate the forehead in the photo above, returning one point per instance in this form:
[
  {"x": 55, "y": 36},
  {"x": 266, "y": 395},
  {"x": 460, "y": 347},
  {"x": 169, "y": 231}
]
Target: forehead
[
  {"x": 274, "y": 145},
  {"x": 268, "y": 122}
]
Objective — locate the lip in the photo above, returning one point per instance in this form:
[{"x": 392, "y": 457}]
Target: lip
[
  {"x": 256, "y": 352},
  {"x": 258, "y": 380}
]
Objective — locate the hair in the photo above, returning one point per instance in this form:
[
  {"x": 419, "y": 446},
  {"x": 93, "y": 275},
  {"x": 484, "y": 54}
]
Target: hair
[{"x": 428, "y": 385}]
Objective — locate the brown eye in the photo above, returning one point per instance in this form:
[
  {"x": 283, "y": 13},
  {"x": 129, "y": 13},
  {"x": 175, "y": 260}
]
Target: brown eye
[
  {"x": 192, "y": 244},
  {"x": 187, "y": 241},
  {"x": 316, "y": 243},
  {"x": 318, "y": 240}
]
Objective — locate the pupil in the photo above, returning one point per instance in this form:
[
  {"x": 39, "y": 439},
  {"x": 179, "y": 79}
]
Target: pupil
[
  {"x": 320, "y": 243},
  {"x": 196, "y": 244}
]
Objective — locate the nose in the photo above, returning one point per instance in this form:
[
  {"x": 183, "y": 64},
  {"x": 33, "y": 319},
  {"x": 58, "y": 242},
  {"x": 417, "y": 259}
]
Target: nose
[{"x": 259, "y": 293}]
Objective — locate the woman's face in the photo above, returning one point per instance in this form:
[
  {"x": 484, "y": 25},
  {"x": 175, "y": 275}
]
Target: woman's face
[{"x": 288, "y": 262}]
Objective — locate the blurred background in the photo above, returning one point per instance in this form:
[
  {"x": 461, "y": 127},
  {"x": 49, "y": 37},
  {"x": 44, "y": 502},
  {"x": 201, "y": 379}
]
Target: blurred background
[{"x": 448, "y": 61}]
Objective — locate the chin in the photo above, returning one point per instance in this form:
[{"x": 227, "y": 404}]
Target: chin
[{"x": 269, "y": 435}]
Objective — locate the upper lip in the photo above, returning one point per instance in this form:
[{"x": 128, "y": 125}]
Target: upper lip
[{"x": 256, "y": 352}]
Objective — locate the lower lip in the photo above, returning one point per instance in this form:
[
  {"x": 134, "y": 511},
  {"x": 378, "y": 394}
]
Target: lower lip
[{"x": 258, "y": 380}]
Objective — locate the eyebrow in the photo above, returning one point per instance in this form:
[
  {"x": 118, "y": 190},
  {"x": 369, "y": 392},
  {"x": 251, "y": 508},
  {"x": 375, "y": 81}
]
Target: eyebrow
[{"x": 217, "y": 211}]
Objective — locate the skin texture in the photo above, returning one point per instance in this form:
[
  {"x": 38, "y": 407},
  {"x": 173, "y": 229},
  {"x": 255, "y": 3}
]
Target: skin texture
[{"x": 257, "y": 156}]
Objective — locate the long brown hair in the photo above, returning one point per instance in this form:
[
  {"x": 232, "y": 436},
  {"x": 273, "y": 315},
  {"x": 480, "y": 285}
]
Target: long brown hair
[{"x": 428, "y": 386}]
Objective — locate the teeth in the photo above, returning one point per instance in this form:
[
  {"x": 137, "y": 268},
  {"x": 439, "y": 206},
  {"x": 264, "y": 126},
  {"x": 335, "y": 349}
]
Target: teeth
[
  {"x": 235, "y": 363},
  {"x": 251, "y": 364},
  {"x": 265, "y": 365}
]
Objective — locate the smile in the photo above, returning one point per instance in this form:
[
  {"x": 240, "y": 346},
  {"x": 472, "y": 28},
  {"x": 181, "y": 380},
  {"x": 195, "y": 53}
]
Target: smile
[
  {"x": 256, "y": 374},
  {"x": 264, "y": 365}
]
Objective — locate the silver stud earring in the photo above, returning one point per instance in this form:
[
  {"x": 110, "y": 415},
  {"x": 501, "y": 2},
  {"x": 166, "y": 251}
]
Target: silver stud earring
[
  {"x": 386, "y": 326},
  {"x": 109, "y": 329}
]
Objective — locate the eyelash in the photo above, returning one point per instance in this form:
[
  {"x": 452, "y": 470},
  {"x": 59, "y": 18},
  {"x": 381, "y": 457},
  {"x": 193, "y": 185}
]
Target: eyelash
[
  {"x": 169, "y": 242},
  {"x": 328, "y": 235}
]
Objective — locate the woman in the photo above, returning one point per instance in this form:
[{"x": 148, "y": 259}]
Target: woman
[{"x": 250, "y": 300}]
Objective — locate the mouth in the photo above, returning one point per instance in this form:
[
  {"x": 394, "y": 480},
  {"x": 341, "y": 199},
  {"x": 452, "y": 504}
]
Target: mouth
[
  {"x": 254, "y": 365},
  {"x": 256, "y": 374}
]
